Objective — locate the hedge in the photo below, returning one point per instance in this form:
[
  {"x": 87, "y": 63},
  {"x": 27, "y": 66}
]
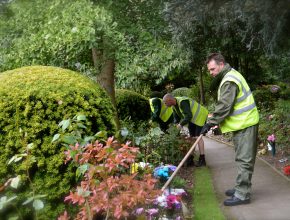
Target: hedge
[
  {"x": 33, "y": 100},
  {"x": 132, "y": 105}
]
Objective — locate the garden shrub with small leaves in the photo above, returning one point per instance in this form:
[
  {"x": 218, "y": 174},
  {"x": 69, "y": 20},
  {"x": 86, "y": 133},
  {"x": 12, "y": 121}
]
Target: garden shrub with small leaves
[
  {"x": 132, "y": 105},
  {"x": 33, "y": 100},
  {"x": 266, "y": 96}
]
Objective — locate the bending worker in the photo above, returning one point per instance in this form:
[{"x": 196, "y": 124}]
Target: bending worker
[
  {"x": 235, "y": 112},
  {"x": 192, "y": 114},
  {"x": 160, "y": 113}
]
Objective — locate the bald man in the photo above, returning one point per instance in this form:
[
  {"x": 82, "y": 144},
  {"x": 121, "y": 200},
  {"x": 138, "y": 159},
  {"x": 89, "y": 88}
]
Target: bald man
[{"x": 191, "y": 114}]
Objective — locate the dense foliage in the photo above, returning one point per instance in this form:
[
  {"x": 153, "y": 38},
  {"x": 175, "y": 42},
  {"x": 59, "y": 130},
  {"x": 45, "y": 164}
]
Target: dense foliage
[
  {"x": 59, "y": 33},
  {"x": 33, "y": 100},
  {"x": 84, "y": 35}
]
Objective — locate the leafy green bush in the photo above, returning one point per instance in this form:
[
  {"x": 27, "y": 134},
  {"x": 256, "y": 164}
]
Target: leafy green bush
[
  {"x": 132, "y": 105},
  {"x": 285, "y": 90},
  {"x": 157, "y": 147},
  {"x": 33, "y": 100},
  {"x": 265, "y": 96}
]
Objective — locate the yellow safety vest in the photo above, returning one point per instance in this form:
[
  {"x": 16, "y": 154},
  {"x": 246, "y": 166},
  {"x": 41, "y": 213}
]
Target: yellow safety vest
[
  {"x": 165, "y": 112},
  {"x": 199, "y": 113},
  {"x": 245, "y": 112}
]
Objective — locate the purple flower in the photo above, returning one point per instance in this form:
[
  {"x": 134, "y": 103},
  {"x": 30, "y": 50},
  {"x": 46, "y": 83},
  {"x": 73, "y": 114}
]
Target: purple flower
[
  {"x": 152, "y": 211},
  {"x": 178, "y": 205},
  {"x": 139, "y": 211},
  {"x": 171, "y": 167}
]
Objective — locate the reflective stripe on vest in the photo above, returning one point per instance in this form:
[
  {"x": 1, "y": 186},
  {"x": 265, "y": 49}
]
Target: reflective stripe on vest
[
  {"x": 245, "y": 112},
  {"x": 199, "y": 113},
  {"x": 165, "y": 111}
]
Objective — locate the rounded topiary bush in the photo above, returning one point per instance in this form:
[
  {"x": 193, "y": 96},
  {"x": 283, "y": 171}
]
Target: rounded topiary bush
[
  {"x": 33, "y": 100},
  {"x": 132, "y": 105}
]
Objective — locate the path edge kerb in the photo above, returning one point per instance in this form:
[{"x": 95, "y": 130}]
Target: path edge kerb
[{"x": 261, "y": 159}]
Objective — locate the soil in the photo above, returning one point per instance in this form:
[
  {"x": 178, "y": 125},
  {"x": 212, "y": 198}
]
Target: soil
[{"x": 186, "y": 173}]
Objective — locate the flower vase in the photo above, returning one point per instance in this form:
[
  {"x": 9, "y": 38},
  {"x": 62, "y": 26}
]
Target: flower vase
[
  {"x": 271, "y": 144},
  {"x": 272, "y": 148}
]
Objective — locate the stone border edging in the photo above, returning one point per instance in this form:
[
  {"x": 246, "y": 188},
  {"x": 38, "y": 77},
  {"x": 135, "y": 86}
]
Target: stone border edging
[{"x": 261, "y": 159}]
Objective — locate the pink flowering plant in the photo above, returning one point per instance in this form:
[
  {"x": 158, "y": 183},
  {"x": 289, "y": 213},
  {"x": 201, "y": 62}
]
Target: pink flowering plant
[
  {"x": 170, "y": 202},
  {"x": 106, "y": 188}
]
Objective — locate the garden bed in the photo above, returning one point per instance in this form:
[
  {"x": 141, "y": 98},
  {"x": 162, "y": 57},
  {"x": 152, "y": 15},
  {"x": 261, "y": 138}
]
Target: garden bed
[{"x": 277, "y": 162}]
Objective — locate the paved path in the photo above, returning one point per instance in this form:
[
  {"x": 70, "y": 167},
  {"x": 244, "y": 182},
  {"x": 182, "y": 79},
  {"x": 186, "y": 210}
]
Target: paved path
[{"x": 270, "y": 191}]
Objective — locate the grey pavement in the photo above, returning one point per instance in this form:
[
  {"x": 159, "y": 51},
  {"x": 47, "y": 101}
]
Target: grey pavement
[{"x": 270, "y": 190}]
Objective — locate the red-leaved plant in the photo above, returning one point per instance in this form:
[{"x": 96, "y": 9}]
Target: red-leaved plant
[{"x": 107, "y": 188}]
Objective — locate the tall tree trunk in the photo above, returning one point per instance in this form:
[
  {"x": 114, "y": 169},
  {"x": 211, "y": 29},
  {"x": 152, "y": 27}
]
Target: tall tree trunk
[
  {"x": 106, "y": 78},
  {"x": 201, "y": 87}
]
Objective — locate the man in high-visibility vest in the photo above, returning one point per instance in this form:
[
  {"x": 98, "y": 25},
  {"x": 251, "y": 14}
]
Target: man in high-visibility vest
[
  {"x": 235, "y": 112},
  {"x": 187, "y": 111},
  {"x": 160, "y": 113}
]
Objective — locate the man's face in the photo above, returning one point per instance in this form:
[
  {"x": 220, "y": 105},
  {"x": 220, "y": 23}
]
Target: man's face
[{"x": 214, "y": 68}]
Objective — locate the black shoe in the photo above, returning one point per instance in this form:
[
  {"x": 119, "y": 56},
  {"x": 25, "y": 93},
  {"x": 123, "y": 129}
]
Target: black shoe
[
  {"x": 201, "y": 163},
  {"x": 230, "y": 192},
  {"x": 235, "y": 201}
]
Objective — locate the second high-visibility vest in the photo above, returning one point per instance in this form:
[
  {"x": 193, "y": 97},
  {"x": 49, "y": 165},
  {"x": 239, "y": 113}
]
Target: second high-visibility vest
[
  {"x": 245, "y": 112},
  {"x": 199, "y": 113},
  {"x": 165, "y": 111}
]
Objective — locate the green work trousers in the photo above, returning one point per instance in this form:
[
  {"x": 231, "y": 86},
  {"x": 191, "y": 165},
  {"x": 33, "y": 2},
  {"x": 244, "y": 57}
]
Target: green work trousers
[{"x": 245, "y": 142}]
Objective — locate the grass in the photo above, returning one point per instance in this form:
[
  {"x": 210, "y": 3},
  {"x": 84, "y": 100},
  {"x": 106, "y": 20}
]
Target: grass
[{"x": 205, "y": 203}]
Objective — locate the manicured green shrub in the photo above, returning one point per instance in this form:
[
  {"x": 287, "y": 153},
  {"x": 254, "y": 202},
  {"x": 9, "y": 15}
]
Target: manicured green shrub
[
  {"x": 33, "y": 100},
  {"x": 132, "y": 105}
]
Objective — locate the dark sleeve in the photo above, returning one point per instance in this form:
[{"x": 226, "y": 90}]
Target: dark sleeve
[
  {"x": 225, "y": 104},
  {"x": 156, "y": 103},
  {"x": 185, "y": 106},
  {"x": 176, "y": 118}
]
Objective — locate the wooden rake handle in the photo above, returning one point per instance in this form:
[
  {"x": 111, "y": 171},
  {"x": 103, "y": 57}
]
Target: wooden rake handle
[{"x": 181, "y": 163}]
